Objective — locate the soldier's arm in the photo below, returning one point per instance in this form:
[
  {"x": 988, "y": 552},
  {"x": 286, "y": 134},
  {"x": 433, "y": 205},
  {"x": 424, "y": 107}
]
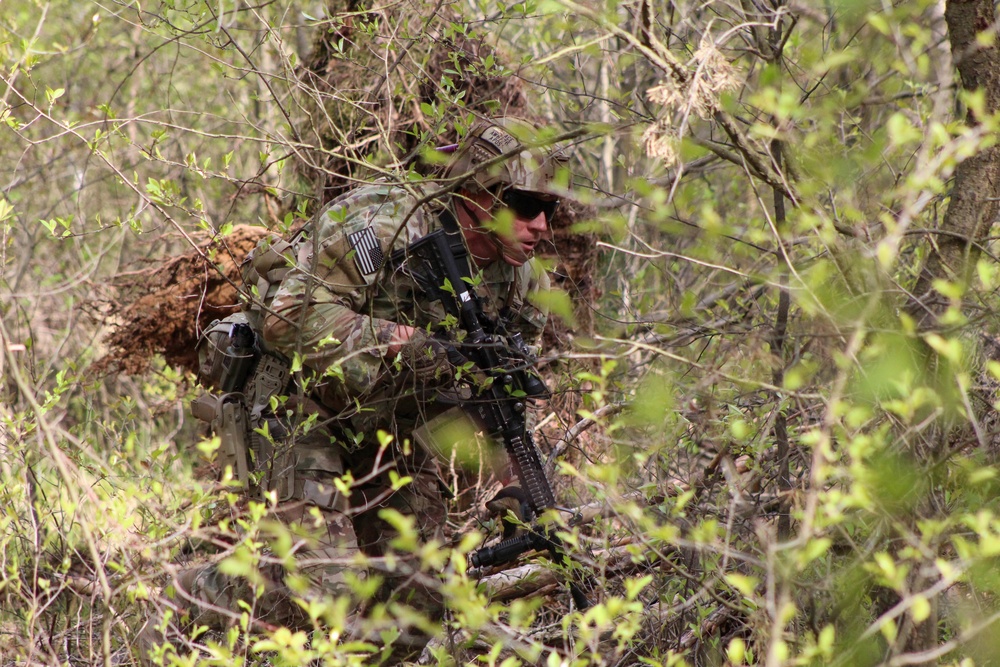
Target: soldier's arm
[
  {"x": 318, "y": 310},
  {"x": 315, "y": 322}
]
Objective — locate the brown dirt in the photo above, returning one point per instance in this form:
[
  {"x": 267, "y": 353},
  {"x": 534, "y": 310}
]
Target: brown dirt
[{"x": 164, "y": 309}]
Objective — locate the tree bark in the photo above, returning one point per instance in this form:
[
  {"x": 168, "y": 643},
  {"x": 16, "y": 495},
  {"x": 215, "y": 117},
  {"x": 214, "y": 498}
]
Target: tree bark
[
  {"x": 976, "y": 189},
  {"x": 972, "y": 209}
]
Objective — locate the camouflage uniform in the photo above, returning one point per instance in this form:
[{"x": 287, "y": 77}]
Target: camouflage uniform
[{"x": 337, "y": 308}]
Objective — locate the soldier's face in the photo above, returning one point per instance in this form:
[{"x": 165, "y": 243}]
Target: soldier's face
[
  {"x": 507, "y": 227},
  {"x": 525, "y": 233}
]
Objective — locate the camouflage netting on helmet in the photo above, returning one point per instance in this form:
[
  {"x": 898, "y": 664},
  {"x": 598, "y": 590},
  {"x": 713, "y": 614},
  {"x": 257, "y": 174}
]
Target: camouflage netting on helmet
[
  {"x": 532, "y": 164},
  {"x": 359, "y": 109},
  {"x": 163, "y": 309}
]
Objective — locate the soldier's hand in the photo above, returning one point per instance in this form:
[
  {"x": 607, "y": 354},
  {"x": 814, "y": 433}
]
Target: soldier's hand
[
  {"x": 401, "y": 335},
  {"x": 511, "y": 506}
]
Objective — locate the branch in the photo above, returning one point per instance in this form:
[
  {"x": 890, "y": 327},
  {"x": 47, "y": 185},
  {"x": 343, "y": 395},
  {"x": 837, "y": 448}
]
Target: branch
[
  {"x": 531, "y": 578},
  {"x": 577, "y": 429},
  {"x": 707, "y": 627}
]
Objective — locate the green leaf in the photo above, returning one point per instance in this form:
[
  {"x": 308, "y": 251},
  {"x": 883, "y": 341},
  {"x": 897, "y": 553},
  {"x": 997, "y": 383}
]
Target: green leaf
[
  {"x": 880, "y": 22},
  {"x": 53, "y": 95},
  {"x": 210, "y": 446},
  {"x": 746, "y": 585},
  {"x": 6, "y": 210},
  {"x": 950, "y": 289},
  {"x": 949, "y": 348},
  {"x": 242, "y": 563},
  {"x": 825, "y": 640},
  {"x": 398, "y": 481},
  {"x": 634, "y": 586},
  {"x": 920, "y": 608},
  {"x": 901, "y": 130},
  {"x": 814, "y": 548},
  {"x": 889, "y": 630},
  {"x": 736, "y": 651},
  {"x": 556, "y": 302}
]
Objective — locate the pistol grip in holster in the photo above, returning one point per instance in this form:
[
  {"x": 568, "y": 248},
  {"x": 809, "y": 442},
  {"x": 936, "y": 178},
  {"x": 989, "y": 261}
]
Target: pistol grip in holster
[
  {"x": 248, "y": 444},
  {"x": 228, "y": 418}
]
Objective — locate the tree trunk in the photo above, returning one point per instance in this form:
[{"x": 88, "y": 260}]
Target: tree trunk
[
  {"x": 974, "y": 197},
  {"x": 967, "y": 221}
]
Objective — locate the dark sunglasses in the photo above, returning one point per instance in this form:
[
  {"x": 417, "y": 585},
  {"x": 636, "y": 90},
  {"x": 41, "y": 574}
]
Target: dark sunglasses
[{"x": 527, "y": 206}]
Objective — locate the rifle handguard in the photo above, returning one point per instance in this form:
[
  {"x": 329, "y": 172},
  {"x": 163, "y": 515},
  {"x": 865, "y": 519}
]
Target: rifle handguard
[
  {"x": 507, "y": 550},
  {"x": 510, "y": 549}
]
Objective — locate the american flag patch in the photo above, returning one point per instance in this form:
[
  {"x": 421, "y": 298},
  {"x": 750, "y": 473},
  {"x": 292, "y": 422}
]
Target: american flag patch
[{"x": 367, "y": 251}]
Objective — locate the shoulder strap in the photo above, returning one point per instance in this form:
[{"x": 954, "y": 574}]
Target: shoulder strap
[{"x": 265, "y": 266}]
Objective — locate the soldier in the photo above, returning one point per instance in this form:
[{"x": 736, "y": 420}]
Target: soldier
[{"x": 373, "y": 371}]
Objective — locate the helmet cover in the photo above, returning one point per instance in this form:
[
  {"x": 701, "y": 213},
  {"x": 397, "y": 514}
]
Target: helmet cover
[{"x": 531, "y": 165}]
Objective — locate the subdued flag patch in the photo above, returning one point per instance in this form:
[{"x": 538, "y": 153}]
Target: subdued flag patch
[{"x": 367, "y": 251}]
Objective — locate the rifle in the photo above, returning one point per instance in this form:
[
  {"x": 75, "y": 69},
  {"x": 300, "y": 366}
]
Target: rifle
[{"x": 439, "y": 262}]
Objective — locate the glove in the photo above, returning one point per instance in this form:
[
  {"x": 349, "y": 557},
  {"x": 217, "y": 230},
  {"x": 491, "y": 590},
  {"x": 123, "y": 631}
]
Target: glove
[
  {"x": 430, "y": 361},
  {"x": 510, "y": 500}
]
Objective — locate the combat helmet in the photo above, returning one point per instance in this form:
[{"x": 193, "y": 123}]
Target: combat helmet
[{"x": 531, "y": 167}]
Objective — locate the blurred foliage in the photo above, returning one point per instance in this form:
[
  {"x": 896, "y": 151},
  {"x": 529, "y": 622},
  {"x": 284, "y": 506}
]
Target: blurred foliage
[{"x": 792, "y": 470}]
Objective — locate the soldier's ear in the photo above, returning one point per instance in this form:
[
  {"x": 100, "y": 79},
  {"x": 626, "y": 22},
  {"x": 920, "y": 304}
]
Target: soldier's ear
[{"x": 470, "y": 202}]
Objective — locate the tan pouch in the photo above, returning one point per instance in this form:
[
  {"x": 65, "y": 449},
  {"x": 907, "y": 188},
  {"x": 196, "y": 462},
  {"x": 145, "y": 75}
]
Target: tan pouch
[{"x": 452, "y": 436}]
